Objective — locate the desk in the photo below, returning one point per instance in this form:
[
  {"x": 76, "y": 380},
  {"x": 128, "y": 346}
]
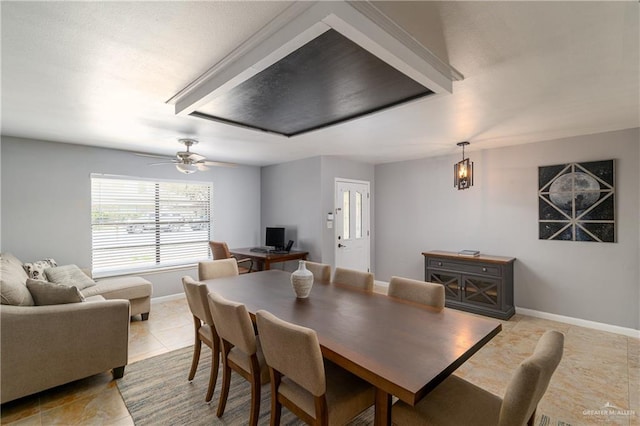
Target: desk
[
  {"x": 264, "y": 260},
  {"x": 403, "y": 349}
]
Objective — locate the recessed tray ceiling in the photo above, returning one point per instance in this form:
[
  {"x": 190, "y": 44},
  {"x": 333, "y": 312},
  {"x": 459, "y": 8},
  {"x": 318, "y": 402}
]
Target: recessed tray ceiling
[{"x": 327, "y": 81}]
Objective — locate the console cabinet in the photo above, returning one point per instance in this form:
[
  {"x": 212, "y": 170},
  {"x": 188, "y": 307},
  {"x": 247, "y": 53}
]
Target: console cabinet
[{"x": 481, "y": 284}]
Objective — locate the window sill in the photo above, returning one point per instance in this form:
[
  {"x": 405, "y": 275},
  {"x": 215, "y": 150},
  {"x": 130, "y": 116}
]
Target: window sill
[{"x": 114, "y": 274}]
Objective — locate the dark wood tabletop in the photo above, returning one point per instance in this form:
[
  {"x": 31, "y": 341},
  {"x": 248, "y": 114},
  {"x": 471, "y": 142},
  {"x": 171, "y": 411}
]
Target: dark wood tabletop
[
  {"x": 265, "y": 259},
  {"x": 403, "y": 349}
]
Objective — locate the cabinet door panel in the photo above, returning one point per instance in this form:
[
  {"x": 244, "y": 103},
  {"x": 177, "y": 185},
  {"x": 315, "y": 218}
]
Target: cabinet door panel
[
  {"x": 450, "y": 282},
  {"x": 480, "y": 290}
]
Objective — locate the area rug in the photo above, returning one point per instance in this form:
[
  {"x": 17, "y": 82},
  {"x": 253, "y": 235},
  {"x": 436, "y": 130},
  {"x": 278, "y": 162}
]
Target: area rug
[{"x": 156, "y": 392}]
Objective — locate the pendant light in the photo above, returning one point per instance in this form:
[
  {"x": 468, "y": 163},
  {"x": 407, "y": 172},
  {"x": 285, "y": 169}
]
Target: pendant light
[{"x": 463, "y": 171}]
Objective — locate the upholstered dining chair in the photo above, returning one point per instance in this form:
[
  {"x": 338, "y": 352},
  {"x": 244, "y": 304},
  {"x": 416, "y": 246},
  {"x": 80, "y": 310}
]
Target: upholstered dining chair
[
  {"x": 212, "y": 269},
  {"x": 423, "y": 292},
  {"x": 316, "y": 390},
  {"x": 241, "y": 351},
  {"x": 359, "y": 279},
  {"x": 458, "y": 402},
  {"x": 220, "y": 250},
  {"x": 320, "y": 271},
  {"x": 205, "y": 331}
]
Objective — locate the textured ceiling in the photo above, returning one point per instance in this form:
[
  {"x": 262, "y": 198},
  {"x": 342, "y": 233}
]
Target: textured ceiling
[{"x": 99, "y": 73}]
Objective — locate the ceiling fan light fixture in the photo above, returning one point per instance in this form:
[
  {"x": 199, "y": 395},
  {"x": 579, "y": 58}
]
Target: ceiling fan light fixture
[{"x": 186, "y": 168}]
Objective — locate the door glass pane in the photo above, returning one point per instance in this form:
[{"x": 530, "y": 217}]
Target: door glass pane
[
  {"x": 346, "y": 198},
  {"x": 358, "y": 215}
]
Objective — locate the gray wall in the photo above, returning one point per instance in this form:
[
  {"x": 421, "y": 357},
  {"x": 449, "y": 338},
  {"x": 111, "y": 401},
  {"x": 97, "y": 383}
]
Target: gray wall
[
  {"x": 291, "y": 198},
  {"x": 299, "y": 194},
  {"x": 417, "y": 209},
  {"x": 46, "y": 196}
]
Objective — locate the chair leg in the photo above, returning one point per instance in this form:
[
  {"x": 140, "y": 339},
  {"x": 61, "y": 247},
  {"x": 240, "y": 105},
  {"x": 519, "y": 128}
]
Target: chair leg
[
  {"x": 144, "y": 316},
  {"x": 226, "y": 378},
  {"x": 322, "y": 412},
  {"x": 255, "y": 391},
  {"x": 196, "y": 349},
  {"x": 276, "y": 406},
  {"x": 213, "y": 376},
  {"x": 195, "y": 360}
]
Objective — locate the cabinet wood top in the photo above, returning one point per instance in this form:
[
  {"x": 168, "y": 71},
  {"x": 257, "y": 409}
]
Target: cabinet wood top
[{"x": 481, "y": 258}]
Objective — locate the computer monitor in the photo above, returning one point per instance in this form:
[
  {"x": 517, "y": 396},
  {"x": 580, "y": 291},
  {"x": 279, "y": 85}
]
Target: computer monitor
[{"x": 275, "y": 238}]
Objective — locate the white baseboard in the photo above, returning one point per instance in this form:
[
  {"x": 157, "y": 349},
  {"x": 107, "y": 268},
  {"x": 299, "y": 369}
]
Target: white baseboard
[
  {"x": 168, "y": 298},
  {"x": 631, "y": 332}
]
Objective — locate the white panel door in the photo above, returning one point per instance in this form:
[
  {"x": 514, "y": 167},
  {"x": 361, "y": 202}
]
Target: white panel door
[{"x": 352, "y": 236}]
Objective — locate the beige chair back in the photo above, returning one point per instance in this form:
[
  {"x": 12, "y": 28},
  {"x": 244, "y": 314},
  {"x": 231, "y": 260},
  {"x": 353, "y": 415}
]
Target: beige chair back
[
  {"x": 292, "y": 350},
  {"x": 213, "y": 269},
  {"x": 197, "y": 298},
  {"x": 531, "y": 379},
  {"x": 426, "y": 293},
  {"x": 219, "y": 250},
  {"x": 320, "y": 271},
  {"x": 233, "y": 323},
  {"x": 359, "y": 279}
]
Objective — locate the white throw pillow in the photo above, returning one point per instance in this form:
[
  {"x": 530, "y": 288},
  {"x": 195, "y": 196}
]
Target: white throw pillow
[{"x": 35, "y": 270}]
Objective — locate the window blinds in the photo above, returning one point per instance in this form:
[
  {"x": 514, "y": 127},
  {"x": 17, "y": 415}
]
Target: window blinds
[{"x": 141, "y": 224}]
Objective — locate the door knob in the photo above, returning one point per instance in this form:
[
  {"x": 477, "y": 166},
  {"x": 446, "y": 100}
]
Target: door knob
[{"x": 341, "y": 245}]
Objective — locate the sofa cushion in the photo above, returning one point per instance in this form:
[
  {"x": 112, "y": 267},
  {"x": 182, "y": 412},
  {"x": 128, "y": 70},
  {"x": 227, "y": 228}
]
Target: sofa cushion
[
  {"x": 120, "y": 288},
  {"x": 13, "y": 282},
  {"x": 46, "y": 293},
  {"x": 69, "y": 275},
  {"x": 35, "y": 270}
]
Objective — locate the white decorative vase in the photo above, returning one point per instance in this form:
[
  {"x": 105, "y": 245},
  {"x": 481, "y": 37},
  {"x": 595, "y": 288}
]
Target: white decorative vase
[{"x": 302, "y": 280}]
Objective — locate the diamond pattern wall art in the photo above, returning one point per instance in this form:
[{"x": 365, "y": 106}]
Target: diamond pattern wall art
[{"x": 576, "y": 202}]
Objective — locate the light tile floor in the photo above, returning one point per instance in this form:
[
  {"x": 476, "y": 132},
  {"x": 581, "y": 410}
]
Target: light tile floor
[{"x": 597, "y": 369}]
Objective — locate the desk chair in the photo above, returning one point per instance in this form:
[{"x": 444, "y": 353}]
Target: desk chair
[
  {"x": 320, "y": 271},
  {"x": 426, "y": 293},
  {"x": 317, "y": 391},
  {"x": 240, "y": 351},
  {"x": 359, "y": 279},
  {"x": 204, "y": 328},
  {"x": 220, "y": 250},
  {"x": 458, "y": 402},
  {"x": 213, "y": 269}
]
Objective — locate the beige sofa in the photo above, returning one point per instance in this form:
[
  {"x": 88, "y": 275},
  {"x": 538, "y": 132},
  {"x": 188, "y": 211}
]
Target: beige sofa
[{"x": 46, "y": 346}]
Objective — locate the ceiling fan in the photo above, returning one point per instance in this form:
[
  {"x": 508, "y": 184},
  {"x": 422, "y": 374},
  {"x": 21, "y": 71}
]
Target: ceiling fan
[{"x": 186, "y": 161}]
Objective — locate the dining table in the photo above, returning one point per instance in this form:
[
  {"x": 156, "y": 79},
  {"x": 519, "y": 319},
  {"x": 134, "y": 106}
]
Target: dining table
[{"x": 403, "y": 349}]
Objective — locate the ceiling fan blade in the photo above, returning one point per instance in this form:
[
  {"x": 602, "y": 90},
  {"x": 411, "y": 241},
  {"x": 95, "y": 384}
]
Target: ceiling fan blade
[
  {"x": 201, "y": 167},
  {"x": 196, "y": 157},
  {"x": 217, "y": 163},
  {"x": 165, "y": 157},
  {"x": 162, "y": 164}
]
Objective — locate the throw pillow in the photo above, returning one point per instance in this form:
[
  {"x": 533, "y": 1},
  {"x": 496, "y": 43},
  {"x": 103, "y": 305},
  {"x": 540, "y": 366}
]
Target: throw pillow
[
  {"x": 35, "y": 270},
  {"x": 69, "y": 275},
  {"x": 13, "y": 279},
  {"x": 46, "y": 293}
]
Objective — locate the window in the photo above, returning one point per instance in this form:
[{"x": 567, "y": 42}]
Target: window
[
  {"x": 346, "y": 224},
  {"x": 139, "y": 224}
]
